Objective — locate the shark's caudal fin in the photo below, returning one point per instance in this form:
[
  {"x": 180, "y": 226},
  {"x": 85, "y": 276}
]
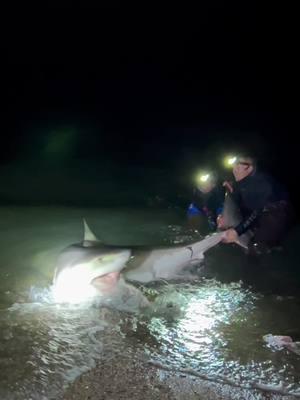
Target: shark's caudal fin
[
  {"x": 232, "y": 217},
  {"x": 89, "y": 237},
  {"x": 205, "y": 244},
  {"x": 231, "y": 213}
]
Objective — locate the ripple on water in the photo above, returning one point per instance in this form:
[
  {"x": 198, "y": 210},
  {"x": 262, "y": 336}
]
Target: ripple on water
[{"x": 207, "y": 328}]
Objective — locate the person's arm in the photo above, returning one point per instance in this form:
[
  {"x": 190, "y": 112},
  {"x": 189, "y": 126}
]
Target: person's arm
[
  {"x": 246, "y": 224},
  {"x": 256, "y": 200},
  {"x": 228, "y": 186}
]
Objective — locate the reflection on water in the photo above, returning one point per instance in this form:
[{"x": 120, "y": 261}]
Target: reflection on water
[
  {"x": 211, "y": 328},
  {"x": 43, "y": 347},
  {"x": 215, "y": 329},
  {"x": 220, "y": 333}
]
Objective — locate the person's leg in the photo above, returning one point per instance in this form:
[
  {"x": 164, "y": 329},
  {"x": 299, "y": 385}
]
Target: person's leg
[{"x": 273, "y": 225}]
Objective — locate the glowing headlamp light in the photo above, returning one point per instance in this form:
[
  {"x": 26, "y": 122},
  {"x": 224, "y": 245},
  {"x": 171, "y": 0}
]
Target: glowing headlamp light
[
  {"x": 203, "y": 178},
  {"x": 230, "y": 161}
]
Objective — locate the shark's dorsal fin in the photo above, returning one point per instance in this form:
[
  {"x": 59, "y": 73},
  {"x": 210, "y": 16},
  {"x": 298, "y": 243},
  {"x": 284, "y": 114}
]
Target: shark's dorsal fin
[{"x": 89, "y": 237}]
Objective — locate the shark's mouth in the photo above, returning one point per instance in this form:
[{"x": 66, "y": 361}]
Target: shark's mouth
[
  {"x": 78, "y": 285},
  {"x": 73, "y": 285}
]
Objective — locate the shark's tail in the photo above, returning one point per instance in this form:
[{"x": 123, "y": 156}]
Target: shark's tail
[
  {"x": 207, "y": 243},
  {"x": 232, "y": 217}
]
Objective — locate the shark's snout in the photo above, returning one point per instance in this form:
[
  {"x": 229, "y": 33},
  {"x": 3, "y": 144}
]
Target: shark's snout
[
  {"x": 113, "y": 261},
  {"x": 79, "y": 266}
]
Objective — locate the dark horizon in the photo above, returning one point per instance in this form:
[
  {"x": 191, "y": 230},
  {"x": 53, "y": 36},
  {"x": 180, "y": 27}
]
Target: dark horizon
[{"x": 97, "y": 84}]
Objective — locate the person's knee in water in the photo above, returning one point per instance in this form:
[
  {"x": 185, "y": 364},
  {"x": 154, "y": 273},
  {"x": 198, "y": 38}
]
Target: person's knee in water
[
  {"x": 206, "y": 203},
  {"x": 264, "y": 206}
]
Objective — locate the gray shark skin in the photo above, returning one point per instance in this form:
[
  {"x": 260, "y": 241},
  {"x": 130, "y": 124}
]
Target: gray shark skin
[
  {"x": 168, "y": 263},
  {"x": 92, "y": 259},
  {"x": 232, "y": 217},
  {"x": 100, "y": 261},
  {"x": 173, "y": 263},
  {"x": 97, "y": 261}
]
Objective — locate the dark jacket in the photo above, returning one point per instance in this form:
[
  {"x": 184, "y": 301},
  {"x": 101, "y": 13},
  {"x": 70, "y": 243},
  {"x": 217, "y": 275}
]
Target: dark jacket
[
  {"x": 253, "y": 195},
  {"x": 211, "y": 204}
]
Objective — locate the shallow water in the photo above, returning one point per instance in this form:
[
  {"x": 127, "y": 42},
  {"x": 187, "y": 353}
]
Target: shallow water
[{"x": 212, "y": 326}]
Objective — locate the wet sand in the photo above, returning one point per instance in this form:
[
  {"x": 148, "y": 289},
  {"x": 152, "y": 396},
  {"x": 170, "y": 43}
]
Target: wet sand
[{"x": 134, "y": 379}]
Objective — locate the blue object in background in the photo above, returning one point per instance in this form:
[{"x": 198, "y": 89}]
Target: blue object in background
[
  {"x": 219, "y": 210},
  {"x": 193, "y": 210}
]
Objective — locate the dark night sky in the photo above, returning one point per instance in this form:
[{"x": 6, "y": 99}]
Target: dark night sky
[{"x": 150, "y": 85}]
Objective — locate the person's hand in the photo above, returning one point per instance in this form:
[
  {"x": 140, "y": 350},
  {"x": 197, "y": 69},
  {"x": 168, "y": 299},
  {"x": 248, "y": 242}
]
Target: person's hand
[
  {"x": 221, "y": 222},
  {"x": 230, "y": 236},
  {"x": 228, "y": 186}
]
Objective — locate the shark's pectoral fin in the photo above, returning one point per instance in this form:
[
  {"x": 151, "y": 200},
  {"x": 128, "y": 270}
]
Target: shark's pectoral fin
[{"x": 89, "y": 237}]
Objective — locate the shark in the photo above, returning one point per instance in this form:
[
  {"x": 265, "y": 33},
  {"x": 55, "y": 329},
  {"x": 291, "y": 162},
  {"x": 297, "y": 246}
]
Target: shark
[
  {"x": 95, "y": 267},
  {"x": 168, "y": 263},
  {"x": 88, "y": 268}
]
